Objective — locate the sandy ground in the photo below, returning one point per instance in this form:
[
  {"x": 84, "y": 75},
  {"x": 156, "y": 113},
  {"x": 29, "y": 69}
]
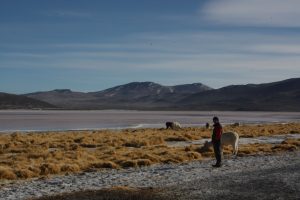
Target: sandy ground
[{"x": 251, "y": 177}]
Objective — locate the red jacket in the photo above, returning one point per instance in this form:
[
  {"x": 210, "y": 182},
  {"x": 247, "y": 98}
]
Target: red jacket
[{"x": 217, "y": 132}]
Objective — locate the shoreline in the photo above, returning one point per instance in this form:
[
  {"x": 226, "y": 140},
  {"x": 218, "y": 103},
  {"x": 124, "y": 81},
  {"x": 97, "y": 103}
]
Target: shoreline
[
  {"x": 151, "y": 110},
  {"x": 138, "y": 127}
]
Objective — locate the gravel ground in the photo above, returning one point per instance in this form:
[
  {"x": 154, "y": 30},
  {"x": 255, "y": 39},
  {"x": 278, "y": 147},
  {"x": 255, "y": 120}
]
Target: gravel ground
[
  {"x": 274, "y": 182},
  {"x": 252, "y": 177}
]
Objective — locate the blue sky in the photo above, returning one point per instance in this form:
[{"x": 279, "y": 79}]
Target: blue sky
[{"x": 90, "y": 45}]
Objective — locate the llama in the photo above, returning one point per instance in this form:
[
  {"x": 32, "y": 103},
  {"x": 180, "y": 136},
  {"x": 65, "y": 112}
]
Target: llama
[
  {"x": 173, "y": 125},
  {"x": 235, "y": 124},
  {"x": 228, "y": 138}
]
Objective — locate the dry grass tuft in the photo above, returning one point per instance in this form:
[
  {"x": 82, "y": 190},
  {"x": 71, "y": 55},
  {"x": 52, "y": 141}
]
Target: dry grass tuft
[
  {"x": 284, "y": 147},
  {"x": 144, "y": 162},
  {"x": 252, "y": 149},
  {"x": 291, "y": 141},
  {"x": 294, "y": 132},
  {"x": 108, "y": 164},
  {"x": 265, "y": 129},
  {"x": 70, "y": 168},
  {"x": 49, "y": 168},
  {"x": 194, "y": 155},
  {"x": 128, "y": 163},
  {"x": 136, "y": 143},
  {"x": 24, "y": 173},
  {"x": 7, "y": 173}
]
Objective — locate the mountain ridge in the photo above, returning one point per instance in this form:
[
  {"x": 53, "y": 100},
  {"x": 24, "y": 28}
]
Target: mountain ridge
[
  {"x": 275, "y": 96},
  {"x": 12, "y": 101},
  {"x": 280, "y": 95},
  {"x": 142, "y": 93}
]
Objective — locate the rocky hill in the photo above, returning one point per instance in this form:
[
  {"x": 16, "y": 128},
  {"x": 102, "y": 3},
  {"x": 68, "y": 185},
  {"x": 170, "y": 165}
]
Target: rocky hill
[
  {"x": 12, "y": 101},
  {"x": 276, "y": 96}
]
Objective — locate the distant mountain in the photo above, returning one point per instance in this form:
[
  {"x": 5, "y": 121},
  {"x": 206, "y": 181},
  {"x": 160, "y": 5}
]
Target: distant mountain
[
  {"x": 135, "y": 95},
  {"x": 276, "y": 96},
  {"x": 12, "y": 101},
  {"x": 64, "y": 98},
  {"x": 137, "y": 90},
  {"x": 141, "y": 89}
]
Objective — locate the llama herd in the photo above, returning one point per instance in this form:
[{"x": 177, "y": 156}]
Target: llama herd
[{"x": 227, "y": 138}]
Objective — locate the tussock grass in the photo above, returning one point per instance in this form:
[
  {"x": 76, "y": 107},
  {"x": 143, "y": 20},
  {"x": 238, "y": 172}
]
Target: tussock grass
[
  {"x": 7, "y": 173},
  {"x": 70, "y": 168},
  {"x": 27, "y": 155},
  {"x": 253, "y": 149},
  {"x": 107, "y": 164},
  {"x": 265, "y": 129}
]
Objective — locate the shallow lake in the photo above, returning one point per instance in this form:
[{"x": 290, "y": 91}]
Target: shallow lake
[{"x": 34, "y": 120}]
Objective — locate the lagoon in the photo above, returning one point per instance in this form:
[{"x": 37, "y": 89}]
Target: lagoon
[{"x": 50, "y": 120}]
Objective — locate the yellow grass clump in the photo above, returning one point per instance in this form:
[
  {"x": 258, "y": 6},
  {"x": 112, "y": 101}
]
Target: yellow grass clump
[
  {"x": 107, "y": 164},
  {"x": 7, "y": 173}
]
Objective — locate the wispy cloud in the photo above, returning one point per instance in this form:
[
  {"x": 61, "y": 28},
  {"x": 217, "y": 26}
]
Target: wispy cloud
[
  {"x": 272, "y": 13},
  {"x": 189, "y": 49},
  {"x": 216, "y": 57},
  {"x": 286, "y": 49},
  {"x": 68, "y": 14}
]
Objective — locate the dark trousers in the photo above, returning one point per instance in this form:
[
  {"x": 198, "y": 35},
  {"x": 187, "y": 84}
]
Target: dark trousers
[{"x": 218, "y": 151}]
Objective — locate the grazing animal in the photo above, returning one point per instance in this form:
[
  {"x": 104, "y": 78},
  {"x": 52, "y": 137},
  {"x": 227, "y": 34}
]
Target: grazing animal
[
  {"x": 169, "y": 125},
  {"x": 228, "y": 138},
  {"x": 236, "y": 124},
  {"x": 173, "y": 125},
  {"x": 207, "y": 125}
]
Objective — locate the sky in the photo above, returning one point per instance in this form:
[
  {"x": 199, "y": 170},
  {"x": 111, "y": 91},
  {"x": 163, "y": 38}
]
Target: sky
[{"x": 91, "y": 45}]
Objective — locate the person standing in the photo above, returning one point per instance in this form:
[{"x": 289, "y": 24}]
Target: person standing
[{"x": 216, "y": 141}]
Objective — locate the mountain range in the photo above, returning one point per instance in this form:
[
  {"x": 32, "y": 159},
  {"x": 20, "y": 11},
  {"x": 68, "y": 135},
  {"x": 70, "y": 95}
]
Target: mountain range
[
  {"x": 276, "y": 96},
  {"x": 135, "y": 95}
]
